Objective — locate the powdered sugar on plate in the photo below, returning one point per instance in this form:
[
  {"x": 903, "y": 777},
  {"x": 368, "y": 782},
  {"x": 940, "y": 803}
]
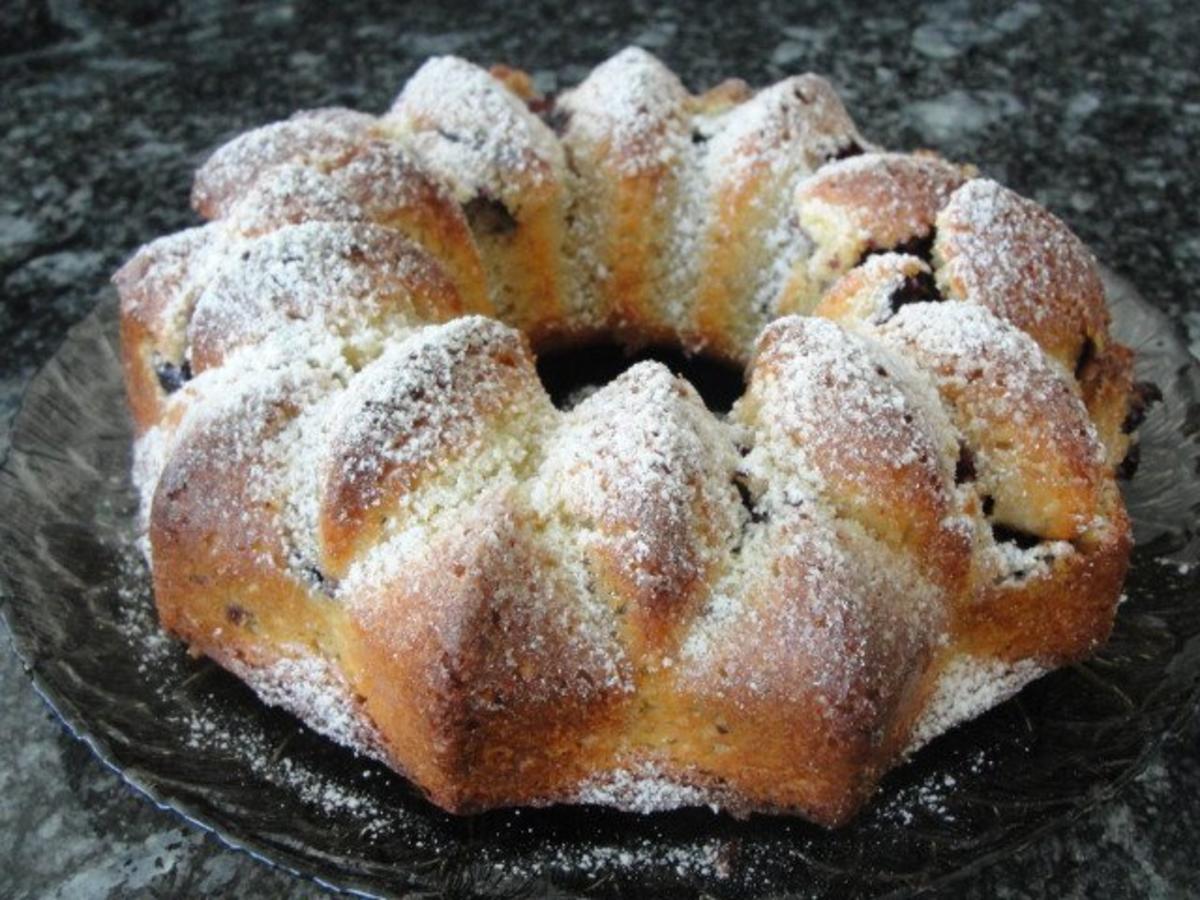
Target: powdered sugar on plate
[
  {"x": 213, "y": 726},
  {"x": 314, "y": 690},
  {"x": 642, "y": 789}
]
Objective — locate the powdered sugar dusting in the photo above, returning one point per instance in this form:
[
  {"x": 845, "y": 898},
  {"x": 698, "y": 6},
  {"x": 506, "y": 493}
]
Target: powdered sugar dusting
[
  {"x": 797, "y": 123},
  {"x": 332, "y": 277},
  {"x": 634, "y": 105},
  {"x": 831, "y": 409},
  {"x": 135, "y": 618},
  {"x": 1038, "y": 453},
  {"x": 754, "y": 159},
  {"x": 627, "y": 144},
  {"x": 643, "y": 789},
  {"x": 704, "y": 858},
  {"x": 380, "y": 182},
  {"x": 833, "y": 622},
  {"x": 423, "y": 396},
  {"x": 149, "y": 457},
  {"x": 472, "y": 133},
  {"x": 1015, "y": 564},
  {"x": 885, "y": 198},
  {"x": 549, "y": 642},
  {"x": 290, "y": 194},
  {"x": 422, "y": 410},
  {"x": 230, "y": 406},
  {"x": 787, "y": 246},
  {"x": 159, "y": 287},
  {"x": 293, "y": 486},
  {"x": 968, "y": 687},
  {"x": 324, "y": 387},
  {"x": 643, "y": 468},
  {"x": 214, "y": 729},
  {"x": 1017, "y": 259},
  {"x": 865, "y": 295},
  {"x": 959, "y": 341},
  {"x": 313, "y": 689},
  {"x": 318, "y": 137},
  {"x": 217, "y": 733}
]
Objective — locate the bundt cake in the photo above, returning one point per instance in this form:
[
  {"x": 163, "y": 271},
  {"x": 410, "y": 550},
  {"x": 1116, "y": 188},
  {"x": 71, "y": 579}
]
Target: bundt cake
[{"x": 359, "y": 497}]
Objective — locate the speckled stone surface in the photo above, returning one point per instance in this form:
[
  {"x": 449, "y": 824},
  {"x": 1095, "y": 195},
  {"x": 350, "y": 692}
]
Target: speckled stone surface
[{"x": 108, "y": 107}]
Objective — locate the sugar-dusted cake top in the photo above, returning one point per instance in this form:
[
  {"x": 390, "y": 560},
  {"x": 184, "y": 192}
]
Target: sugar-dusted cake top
[{"x": 360, "y": 497}]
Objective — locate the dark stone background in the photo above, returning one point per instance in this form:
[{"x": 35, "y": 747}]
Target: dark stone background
[{"x": 107, "y": 107}]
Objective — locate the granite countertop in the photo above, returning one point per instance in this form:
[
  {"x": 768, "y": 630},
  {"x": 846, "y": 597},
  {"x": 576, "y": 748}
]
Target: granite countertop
[{"x": 109, "y": 106}]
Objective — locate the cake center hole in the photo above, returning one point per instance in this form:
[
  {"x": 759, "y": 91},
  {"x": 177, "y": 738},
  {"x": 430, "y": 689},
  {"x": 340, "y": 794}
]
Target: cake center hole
[{"x": 569, "y": 375}]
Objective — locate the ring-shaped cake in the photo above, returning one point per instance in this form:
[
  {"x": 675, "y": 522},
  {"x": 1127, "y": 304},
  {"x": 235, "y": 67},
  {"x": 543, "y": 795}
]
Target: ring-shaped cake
[{"x": 360, "y": 498}]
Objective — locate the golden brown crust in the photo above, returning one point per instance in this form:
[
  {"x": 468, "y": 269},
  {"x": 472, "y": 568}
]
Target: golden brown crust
[
  {"x": 478, "y": 668},
  {"x": 505, "y": 167},
  {"x": 749, "y": 171},
  {"x": 319, "y": 137},
  {"x": 1049, "y": 475},
  {"x": 516, "y": 80},
  {"x": 643, "y": 472},
  {"x": 887, "y": 199},
  {"x": 1106, "y": 382},
  {"x": 338, "y": 277},
  {"x": 1061, "y": 615},
  {"x": 854, "y": 419},
  {"x": 421, "y": 405},
  {"x": 157, "y": 291},
  {"x": 804, "y": 695},
  {"x": 723, "y": 96},
  {"x": 627, "y": 184},
  {"x": 365, "y": 492},
  {"x": 871, "y": 293},
  {"x": 376, "y": 182},
  {"x": 1013, "y": 256},
  {"x": 1043, "y": 471},
  {"x": 865, "y": 204},
  {"x": 214, "y": 583}
]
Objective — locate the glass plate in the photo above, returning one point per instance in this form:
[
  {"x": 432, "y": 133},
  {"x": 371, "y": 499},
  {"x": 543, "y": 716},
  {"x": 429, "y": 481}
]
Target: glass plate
[{"x": 77, "y": 600}]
